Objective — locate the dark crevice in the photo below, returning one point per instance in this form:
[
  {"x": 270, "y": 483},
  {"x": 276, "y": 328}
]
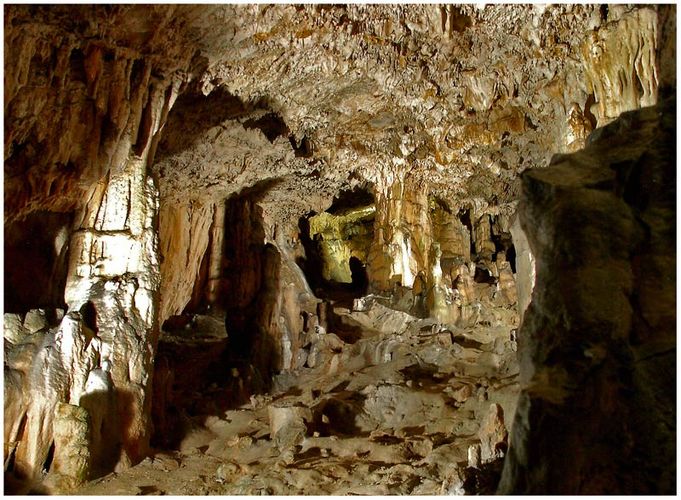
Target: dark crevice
[
  {"x": 442, "y": 205},
  {"x": 458, "y": 21},
  {"x": 271, "y": 124},
  {"x": 603, "y": 11},
  {"x": 144, "y": 130},
  {"x": 360, "y": 279},
  {"x": 311, "y": 265},
  {"x": 465, "y": 218},
  {"x": 351, "y": 199},
  {"x": 302, "y": 150},
  {"x": 77, "y": 66},
  {"x": 590, "y": 101},
  {"x": 88, "y": 313},
  {"x": 136, "y": 73},
  {"x": 484, "y": 276},
  {"x": 511, "y": 257},
  {"x": 50, "y": 457},
  {"x": 36, "y": 261},
  {"x": 529, "y": 123}
]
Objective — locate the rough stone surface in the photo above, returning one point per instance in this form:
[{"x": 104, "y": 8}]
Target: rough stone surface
[
  {"x": 597, "y": 346},
  {"x": 78, "y": 87},
  {"x": 112, "y": 261},
  {"x": 35, "y": 320},
  {"x": 72, "y": 460},
  {"x": 184, "y": 233},
  {"x": 610, "y": 54},
  {"x": 287, "y": 425},
  {"x": 393, "y": 412},
  {"x": 493, "y": 434},
  {"x": 525, "y": 264}
]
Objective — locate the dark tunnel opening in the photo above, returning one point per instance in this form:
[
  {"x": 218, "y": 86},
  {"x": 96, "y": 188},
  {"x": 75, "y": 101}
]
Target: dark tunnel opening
[{"x": 36, "y": 261}]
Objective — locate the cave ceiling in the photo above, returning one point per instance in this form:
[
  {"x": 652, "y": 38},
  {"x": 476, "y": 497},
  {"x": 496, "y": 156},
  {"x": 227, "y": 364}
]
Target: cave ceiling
[
  {"x": 320, "y": 98},
  {"x": 461, "y": 98}
]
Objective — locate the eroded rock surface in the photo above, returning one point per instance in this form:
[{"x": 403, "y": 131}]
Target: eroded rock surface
[
  {"x": 597, "y": 346},
  {"x": 164, "y": 166}
]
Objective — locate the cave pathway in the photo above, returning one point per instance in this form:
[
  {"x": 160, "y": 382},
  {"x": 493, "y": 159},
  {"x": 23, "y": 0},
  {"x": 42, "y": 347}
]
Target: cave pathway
[{"x": 398, "y": 411}]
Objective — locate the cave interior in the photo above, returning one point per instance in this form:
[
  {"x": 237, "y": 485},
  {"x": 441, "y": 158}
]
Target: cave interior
[{"x": 340, "y": 249}]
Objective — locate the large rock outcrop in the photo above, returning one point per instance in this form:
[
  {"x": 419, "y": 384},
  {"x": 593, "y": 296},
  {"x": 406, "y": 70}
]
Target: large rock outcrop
[
  {"x": 106, "y": 92},
  {"x": 596, "y": 414}
]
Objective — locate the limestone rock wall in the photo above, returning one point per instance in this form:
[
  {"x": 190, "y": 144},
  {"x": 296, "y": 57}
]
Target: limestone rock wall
[
  {"x": 115, "y": 268},
  {"x": 101, "y": 355},
  {"x": 402, "y": 233},
  {"x": 76, "y": 96},
  {"x": 597, "y": 346},
  {"x": 86, "y": 104},
  {"x": 185, "y": 236},
  {"x": 44, "y": 369},
  {"x": 620, "y": 62},
  {"x": 452, "y": 234}
]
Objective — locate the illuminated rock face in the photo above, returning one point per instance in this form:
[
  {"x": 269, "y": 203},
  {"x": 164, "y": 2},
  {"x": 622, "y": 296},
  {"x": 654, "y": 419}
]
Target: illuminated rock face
[
  {"x": 112, "y": 295},
  {"x": 115, "y": 269},
  {"x": 402, "y": 235},
  {"x": 185, "y": 236},
  {"x": 341, "y": 237},
  {"x": 619, "y": 61},
  {"x": 167, "y": 156},
  {"x": 111, "y": 288}
]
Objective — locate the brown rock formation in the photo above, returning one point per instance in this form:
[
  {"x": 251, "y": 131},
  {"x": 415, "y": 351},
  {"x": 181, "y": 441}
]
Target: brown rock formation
[{"x": 597, "y": 346}]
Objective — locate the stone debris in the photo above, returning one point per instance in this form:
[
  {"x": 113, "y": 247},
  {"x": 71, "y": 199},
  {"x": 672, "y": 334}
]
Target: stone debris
[
  {"x": 288, "y": 425},
  {"x": 399, "y": 424},
  {"x": 35, "y": 321}
]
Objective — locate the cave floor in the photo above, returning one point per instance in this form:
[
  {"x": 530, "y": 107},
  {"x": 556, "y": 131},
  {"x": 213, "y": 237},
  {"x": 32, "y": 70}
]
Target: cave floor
[{"x": 392, "y": 413}]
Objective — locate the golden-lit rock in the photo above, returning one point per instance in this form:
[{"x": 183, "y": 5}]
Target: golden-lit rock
[{"x": 619, "y": 59}]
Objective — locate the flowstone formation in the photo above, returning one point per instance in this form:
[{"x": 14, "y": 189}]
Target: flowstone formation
[{"x": 278, "y": 249}]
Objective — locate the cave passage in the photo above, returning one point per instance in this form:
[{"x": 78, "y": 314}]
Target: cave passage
[
  {"x": 340, "y": 249},
  {"x": 218, "y": 353},
  {"x": 337, "y": 244}
]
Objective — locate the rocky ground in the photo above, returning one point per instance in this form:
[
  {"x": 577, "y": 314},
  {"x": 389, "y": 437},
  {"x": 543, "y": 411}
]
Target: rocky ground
[{"x": 409, "y": 407}]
